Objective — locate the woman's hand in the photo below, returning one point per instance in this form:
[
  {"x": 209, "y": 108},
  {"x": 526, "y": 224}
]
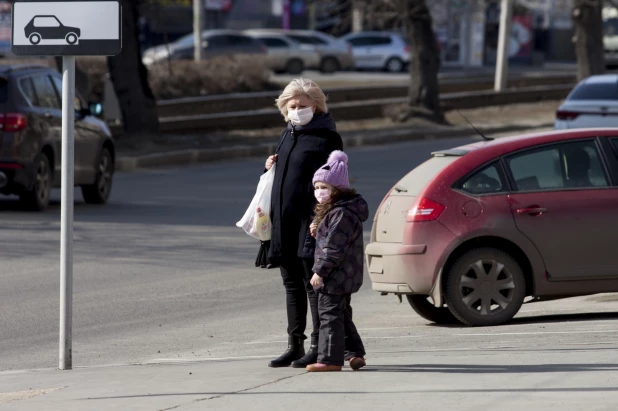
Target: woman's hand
[
  {"x": 316, "y": 280},
  {"x": 313, "y": 228},
  {"x": 271, "y": 160}
]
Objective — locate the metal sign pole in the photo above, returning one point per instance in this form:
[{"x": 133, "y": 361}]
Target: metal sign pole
[{"x": 66, "y": 213}]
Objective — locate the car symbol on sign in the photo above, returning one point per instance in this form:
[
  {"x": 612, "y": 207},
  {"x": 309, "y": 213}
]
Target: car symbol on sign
[{"x": 50, "y": 28}]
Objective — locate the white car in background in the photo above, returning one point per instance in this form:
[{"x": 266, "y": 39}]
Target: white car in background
[
  {"x": 377, "y": 50},
  {"x": 592, "y": 103}
]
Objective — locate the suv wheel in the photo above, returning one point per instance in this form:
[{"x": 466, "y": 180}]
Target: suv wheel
[
  {"x": 423, "y": 307},
  {"x": 98, "y": 193},
  {"x": 485, "y": 287},
  {"x": 294, "y": 66},
  {"x": 37, "y": 199},
  {"x": 394, "y": 65}
]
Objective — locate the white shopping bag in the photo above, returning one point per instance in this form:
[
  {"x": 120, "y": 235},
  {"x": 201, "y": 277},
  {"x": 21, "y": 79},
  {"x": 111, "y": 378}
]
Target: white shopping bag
[{"x": 256, "y": 221}]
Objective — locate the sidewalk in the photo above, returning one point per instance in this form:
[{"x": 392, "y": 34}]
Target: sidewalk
[{"x": 447, "y": 380}]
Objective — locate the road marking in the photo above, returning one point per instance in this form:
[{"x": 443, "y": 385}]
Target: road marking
[{"x": 540, "y": 333}]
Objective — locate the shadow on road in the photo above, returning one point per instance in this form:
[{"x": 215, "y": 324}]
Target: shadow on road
[{"x": 540, "y": 319}]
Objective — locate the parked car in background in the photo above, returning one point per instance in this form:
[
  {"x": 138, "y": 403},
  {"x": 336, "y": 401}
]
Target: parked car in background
[
  {"x": 480, "y": 227},
  {"x": 214, "y": 43},
  {"x": 379, "y": 51},
  {"x": 31, "y": 133},
  {"x": 284, "y": 54},
  {"x": 592, "y": 103},
  {"x": 335, "y": 54}
]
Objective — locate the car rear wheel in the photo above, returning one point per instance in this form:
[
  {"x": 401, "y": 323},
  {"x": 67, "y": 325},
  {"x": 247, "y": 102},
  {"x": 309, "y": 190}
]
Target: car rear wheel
[
  {"x": 394, "y": 65},
  {"x": 485, "y": 287},
  {"x": 329, "y": 65},
  {"x": 37, "y": 199},
  {"x": 98, "y": 193},
  {"x": 423, "y": 307},
  {"x": 35, "y": 38},
  {"x": 71, "y": 38},
  {"x": 295, "y": 66}
]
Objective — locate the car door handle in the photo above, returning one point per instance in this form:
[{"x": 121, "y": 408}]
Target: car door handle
[{"x": 532, "y": 210}]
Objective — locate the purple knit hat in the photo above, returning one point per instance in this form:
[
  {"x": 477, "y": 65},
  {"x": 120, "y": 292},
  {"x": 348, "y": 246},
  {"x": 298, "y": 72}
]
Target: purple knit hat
[{"x": 335, "y": 171}]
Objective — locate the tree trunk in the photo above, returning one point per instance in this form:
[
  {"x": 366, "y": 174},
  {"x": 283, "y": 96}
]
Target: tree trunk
[
  {"x": 130, "y": 79},
  {"x": 424, "y": 97},
  {"x": 588, "y": 22}
]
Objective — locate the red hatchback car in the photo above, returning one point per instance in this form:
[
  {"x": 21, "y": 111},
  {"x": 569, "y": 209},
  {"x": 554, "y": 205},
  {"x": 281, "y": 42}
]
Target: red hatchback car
[{"x": 472, "y": 232}]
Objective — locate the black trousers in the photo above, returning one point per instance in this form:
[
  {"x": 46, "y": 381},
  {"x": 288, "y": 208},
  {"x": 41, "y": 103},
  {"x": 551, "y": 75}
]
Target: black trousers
[
  {"x": 339, "y": 338},
  {"x": 296, "y": 274}
]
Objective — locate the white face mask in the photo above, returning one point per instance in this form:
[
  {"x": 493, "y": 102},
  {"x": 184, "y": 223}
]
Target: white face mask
[
  {"x": 322, "y": 195},
  {"x": 300, "y": 117}
]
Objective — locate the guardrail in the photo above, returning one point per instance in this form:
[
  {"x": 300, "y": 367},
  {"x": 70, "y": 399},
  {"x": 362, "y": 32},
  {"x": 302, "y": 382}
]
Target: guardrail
[
  {"x": 355, "y": 110},
  {"x": 239, "y": 102}
]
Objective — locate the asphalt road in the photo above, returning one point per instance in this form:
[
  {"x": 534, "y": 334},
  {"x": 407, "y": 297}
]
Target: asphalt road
[{"x": 162, "y": 273}]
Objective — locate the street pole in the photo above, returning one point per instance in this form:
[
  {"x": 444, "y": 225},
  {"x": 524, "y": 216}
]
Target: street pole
[
  {"x": 199, "y": 13},
  {"x": 66, "y": 213},
  {"x": 358, "y": 15},
  {"x": 285, "y": 23},
  {"x": 502, "y": 61}
]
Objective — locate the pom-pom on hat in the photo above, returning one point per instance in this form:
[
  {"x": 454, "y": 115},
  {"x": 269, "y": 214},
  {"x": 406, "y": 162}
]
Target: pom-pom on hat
[{"x": 335, "y": 171}]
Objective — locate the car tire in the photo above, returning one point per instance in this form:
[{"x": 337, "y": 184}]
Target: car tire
[
  {"x": 485, "y": 287},
  {"x": 295, "y": 66},
  {"x": 35, "y": 38},
  {"x": 71, "y": 38},
  {"x": 423, "y": 307},
  {"x": 37, "y": 199},
  {"x": 98, "y": 193},
  {"x": 330, "y": 65},
  {"x": 394, "y": 65}
]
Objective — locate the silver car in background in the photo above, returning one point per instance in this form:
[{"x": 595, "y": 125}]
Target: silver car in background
[
  {"x": 376, "y": 50},
  {"x": 335, "y": 54},
  {"x": 214, "y": 43},
  {"x": 285, "y": 55}
]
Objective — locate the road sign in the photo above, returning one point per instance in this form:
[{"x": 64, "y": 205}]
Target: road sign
[{"x": 66, "y": 28}]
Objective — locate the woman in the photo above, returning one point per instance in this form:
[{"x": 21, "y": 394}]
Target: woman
[{"x": 304, "y": 147}]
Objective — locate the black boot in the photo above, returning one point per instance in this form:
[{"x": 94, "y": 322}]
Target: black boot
[
  {"x": 310, "y": 358},
  {"x": 296, "y": 350}
]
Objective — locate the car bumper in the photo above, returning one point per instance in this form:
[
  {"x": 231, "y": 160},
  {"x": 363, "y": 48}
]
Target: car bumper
[
  {"x": 394, "y": 268},
  {"x": 14, "y": 178}
]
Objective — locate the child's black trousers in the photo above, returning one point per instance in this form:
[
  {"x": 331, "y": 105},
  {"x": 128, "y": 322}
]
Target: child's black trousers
[{"x": 338, "y": 333}]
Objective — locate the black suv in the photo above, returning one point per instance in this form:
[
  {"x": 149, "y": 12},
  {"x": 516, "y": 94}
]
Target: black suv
[{"x": 30, "y": 139}]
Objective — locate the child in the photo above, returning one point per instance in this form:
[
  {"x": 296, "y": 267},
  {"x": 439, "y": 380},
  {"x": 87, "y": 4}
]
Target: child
[{"x": 338, "y": 267}]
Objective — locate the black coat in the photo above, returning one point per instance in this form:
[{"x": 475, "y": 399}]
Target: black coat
[
  {"x": 339, "y": 255},
  {"x": 302, "y": 150}
]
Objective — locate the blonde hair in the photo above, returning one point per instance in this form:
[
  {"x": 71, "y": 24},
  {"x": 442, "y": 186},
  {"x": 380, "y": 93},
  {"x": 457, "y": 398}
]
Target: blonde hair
[{"x": 302, "y": 87}]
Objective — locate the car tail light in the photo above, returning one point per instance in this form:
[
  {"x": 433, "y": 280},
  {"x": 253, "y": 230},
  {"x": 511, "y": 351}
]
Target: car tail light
[
  {"x": 13, "y": 122},
  {"x": 406, "y": 49},
  {"x": 425, "y": 210},
  {"x": 10, "y": 166},
  {"x": 566, "y": 115},
  {"x": 350, "y": 50}
]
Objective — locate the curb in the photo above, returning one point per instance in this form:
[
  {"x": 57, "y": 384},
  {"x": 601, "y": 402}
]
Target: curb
[{"x": 358, "y": 139}]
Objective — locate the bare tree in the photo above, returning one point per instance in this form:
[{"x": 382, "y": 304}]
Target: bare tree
[
  {"x": 414, "y": 19},
  {"x": 130, "y": 79},
  {"x": 588, "y": 21}
]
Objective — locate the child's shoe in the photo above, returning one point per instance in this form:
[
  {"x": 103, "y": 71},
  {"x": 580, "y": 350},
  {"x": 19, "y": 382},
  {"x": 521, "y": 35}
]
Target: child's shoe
[
  {"x": 323, "y": 367},
  {"x": 356, "y": 363}
]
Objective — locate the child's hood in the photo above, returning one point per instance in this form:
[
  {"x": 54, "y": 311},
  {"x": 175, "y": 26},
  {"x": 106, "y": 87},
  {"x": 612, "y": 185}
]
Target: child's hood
[{"x": 357, "y": 205}]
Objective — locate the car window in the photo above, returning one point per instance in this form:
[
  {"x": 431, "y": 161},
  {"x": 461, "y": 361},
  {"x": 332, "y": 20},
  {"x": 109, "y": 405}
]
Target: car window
[
  {"x": 595, "y": 91},
  {"x": 28, "y": 91},
  {"x": 485, "y": 181},
  {"x": 46, "y": 22},
  {"x": 318, "y": 41},
  {"x": 360, "y": 41},
  {"x": 45, "y": 93},
  {"x": 274, "y": 43},
  {"x": 381, "y": 41},
  {"x": 565, "y": 165},
  {"x": 58, "y": 86}
]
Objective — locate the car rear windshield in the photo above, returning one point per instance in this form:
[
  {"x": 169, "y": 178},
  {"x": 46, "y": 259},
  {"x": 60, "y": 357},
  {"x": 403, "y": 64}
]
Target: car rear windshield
[
  {"x": 595, "y": 91},
  {"x": 418, "y": 178}
]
